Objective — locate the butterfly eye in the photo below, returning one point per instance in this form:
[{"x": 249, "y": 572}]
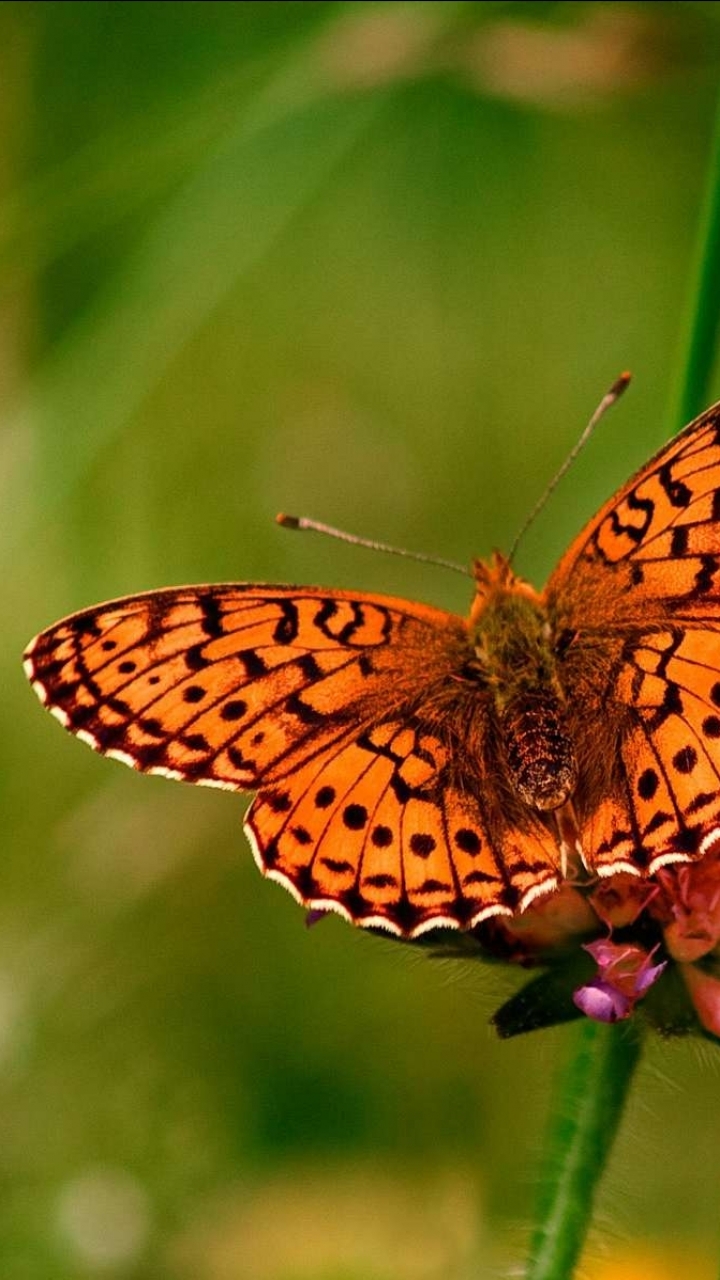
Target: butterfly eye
[{"x": 564, "y": 641}]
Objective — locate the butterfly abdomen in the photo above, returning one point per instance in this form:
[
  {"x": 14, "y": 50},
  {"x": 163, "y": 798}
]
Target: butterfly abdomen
[{"x": 540, "y": 756}]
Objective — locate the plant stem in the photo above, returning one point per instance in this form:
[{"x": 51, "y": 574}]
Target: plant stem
[
  {"x": 701, "y": 329},
  {"x": 590, "y": 1095}
]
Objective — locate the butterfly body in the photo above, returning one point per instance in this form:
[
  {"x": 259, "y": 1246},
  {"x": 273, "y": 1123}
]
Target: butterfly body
[
  {"x": 517, "y": 657},
  {"x": 416, "y": 769}
]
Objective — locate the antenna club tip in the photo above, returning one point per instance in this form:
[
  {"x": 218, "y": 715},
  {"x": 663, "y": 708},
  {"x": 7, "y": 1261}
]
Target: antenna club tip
[
  {"x": 621, "y": 384},
  {"x": 287, "y": 522}
]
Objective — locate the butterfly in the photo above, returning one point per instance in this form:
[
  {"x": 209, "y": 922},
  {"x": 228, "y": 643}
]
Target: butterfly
[{"x": 416, "y": 769}]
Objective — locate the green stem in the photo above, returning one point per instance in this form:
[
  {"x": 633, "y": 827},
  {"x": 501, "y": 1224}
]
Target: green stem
[
  {"x": 590, "y": 1095},
  {"x": 702, "y": 324}
]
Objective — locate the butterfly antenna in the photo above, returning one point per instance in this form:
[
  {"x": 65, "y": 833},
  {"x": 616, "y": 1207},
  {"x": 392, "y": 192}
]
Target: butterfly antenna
[
  {"x": 303, "y": 522},
  {"x": 606, "y": 403}
]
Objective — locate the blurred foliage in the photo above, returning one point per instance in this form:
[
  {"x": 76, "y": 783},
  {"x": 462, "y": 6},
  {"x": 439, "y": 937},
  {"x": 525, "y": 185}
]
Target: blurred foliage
[{"x": 376, "y": 262}]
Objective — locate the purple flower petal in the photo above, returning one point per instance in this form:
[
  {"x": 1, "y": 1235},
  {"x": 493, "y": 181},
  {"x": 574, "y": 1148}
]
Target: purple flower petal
[
  {"x": 625, "y": 973},
  {"x": 603, "y": 1002}
]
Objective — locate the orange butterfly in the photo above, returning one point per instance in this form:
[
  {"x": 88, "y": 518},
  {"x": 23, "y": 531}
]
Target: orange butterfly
[{"x": 416, "y": 769}]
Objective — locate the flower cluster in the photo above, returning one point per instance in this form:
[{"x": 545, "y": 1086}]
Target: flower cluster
[{"x": 613, "y": 945}]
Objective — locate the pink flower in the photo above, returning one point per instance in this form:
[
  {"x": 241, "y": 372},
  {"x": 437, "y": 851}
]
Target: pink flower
[
  {"x": 689, "y": 906},
  {"x": 625, "y": 973},
  {"x": 704, "y": 991}
]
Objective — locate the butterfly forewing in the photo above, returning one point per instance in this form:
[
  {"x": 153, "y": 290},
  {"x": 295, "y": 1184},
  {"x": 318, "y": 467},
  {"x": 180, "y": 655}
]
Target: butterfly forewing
[
  {"x": 654, "y": 546},
  {"x": 639, "y": 593},
  {"x": 228, "y": 685}
]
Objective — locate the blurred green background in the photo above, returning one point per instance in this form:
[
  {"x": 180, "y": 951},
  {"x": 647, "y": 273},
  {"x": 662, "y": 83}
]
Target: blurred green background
[{"x": 375, "y": 263}]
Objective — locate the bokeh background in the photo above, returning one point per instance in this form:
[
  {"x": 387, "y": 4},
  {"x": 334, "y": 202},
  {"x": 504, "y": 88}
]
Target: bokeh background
[{"x": 375, "y": 263}]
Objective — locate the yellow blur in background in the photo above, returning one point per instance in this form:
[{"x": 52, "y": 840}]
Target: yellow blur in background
[{"x": 373, "y": 262}]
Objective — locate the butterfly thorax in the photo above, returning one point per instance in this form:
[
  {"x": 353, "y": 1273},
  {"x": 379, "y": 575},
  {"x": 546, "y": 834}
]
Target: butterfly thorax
[{"x": 513, "y": 645}]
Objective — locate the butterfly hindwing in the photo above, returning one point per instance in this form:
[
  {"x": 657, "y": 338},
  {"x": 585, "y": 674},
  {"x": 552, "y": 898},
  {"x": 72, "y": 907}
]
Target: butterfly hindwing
[{"x": 384, "y": 831}]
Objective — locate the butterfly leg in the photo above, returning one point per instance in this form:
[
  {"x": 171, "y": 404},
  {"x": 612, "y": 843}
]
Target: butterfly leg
[{"x": 572, "y": 861}]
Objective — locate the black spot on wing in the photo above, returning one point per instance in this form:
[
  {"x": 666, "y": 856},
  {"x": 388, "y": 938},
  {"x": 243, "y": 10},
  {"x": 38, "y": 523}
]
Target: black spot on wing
[
  {"x": 647, "y": 784},
  {"x": 83, "y": 714},
  {"x": 705, "y": 576},
  {"x": 468, "y": 841},
  {"x": 479, "y": 877},
  {"x": 671, "y": 705},
  {"x": 679, "y": 540},
  {"x": 381, "y": 836},
  {"x": 240, "y": 762},
  {"x": 685, "y": 760},
  {"x": 422, "y": 844},
  {"x": 155, "y": 619},
  {"x": 381, "y": 880},
  {"x": 309, "y": 666},
  {"x": 278, "y": 801},
  {"x": 271, "y": 852},
  {"x": 634, "y": 532},
  {"x": 119, "y": 705},
  {"x": 234, "y": 709},
  {"x": 659, "y": 819},
  {"x": 66, "y": 691},
  {"x": 400, "y": 788},
  {"x": 327, "y": 610},
  {"x": 194, "y": 693},
  {"x": 302, "y": 710},
  {"x": 355, "y": 817},
  {"x": 338, "y": 865},
  {"x": 620, "y": 836},
  {"x": 211, "y": 615},
  {"x": 688, "y": 839},
  {"x": 676, "y": 491},
  {"x": 252, "y": 663},
  {"x": 195, "y": 659},
  {"x": 288, "y": 624},
  {"x": 347, "y": 634},
  {"x": 433, "y": 886},
  {"x": 85, "y": 625},
  {"x": 150, "y": 755},
  {"x": 153, "y": 727},
  {"x": 701, "y": 801}
]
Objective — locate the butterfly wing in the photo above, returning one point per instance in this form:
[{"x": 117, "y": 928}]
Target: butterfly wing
[
  {"x": 653, "y": 550},
  {"x": 635, "y": 608},
  {"x": 344, "y": 711}
]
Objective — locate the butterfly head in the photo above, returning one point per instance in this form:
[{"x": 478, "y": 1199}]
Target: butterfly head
[{"x": 496, "y": 577}]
